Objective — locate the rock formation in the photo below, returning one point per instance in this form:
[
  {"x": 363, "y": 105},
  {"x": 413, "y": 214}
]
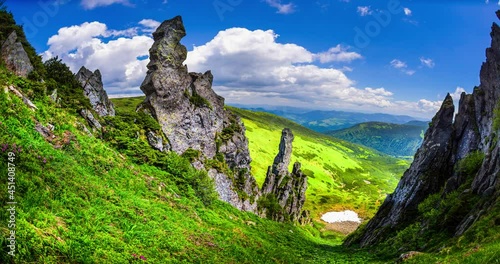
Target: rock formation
[
  {"x": 192, "y": 116},
  {"x": 94, "y": 90},
  {"x": 91, "y": 120},
  {"x": 15, "y": 57},
  {"x": 447, "y": 144},
  {"x": 288, "y": 189}
]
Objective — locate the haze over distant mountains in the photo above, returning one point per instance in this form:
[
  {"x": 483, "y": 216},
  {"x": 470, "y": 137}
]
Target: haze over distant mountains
[{"x": 330, "y": 120}]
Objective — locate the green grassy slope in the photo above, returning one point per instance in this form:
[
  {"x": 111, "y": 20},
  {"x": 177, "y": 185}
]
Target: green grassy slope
[
  {"x": 85, "y": 202},
  {"x": 392, "y": 139},
  {"x": 342, "y": 175}
]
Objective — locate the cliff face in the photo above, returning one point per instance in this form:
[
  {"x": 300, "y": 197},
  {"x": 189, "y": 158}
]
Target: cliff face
[
  {"x": 94, "y": 90},
  {"x": 287, "y": 189},
  {"x": 192, "y": 116},
  {"x": 437, "y": 166}
]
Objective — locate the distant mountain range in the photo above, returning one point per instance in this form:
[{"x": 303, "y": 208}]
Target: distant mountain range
[
  {"x": 325, "y": 121},
  {"x": 393, "y": 139}
]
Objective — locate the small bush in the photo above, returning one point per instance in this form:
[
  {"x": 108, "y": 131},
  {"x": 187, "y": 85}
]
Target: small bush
[
  {"x": 471, "y": 164},
  {"x": 191, "y": 154}
]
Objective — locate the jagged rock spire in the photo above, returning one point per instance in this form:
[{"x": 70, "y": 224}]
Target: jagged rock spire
[
  {"x": 192, "y": 116},
  {"x": 288, "y": 188},
  {"x": 93, "y": 89}
]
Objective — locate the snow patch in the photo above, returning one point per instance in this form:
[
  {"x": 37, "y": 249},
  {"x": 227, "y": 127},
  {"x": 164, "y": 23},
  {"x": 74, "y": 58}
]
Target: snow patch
[{"x": 334, "y": 217}]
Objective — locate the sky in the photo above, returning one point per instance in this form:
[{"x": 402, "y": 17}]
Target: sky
[{"x": 390, "y": 56}]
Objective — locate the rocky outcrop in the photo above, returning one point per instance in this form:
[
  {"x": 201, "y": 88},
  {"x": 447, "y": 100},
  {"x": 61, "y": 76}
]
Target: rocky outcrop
[
  {"x": 15, "y": 57},
  {"x": 192, "y": 116},
  {"x": 438, "y": 165},
  {"x": 25, "y": 99},
  {"x": 94, "y": 90},
  {"x": 428, "y": 172},
  {"x": 287, "y": 189},
  {"x": 91, "y": 120}
]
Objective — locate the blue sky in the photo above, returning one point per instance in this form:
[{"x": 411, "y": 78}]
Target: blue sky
[{"x": 390, "y": 56}]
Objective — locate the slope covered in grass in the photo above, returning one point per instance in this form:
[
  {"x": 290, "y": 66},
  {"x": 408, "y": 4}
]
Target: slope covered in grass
[
  {"x": 80, "y": 199},
  {"x": 341, "y": 174},
  {"x": 400, "y": 140}
]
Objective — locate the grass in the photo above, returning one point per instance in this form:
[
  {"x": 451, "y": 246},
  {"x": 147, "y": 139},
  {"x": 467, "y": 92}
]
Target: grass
[
  {"x": 341, "y": 175},
  {"x": 86, "y": 202}
]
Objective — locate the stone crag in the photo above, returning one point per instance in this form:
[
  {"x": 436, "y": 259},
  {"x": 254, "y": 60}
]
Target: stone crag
[
  {"x": 93, "y": 89},
  {"x": 15, "y": 57},
  {"x": 448, "y": 142},
  {"x": 192, "y": 116},
  {"x": 287, "y": 189}
]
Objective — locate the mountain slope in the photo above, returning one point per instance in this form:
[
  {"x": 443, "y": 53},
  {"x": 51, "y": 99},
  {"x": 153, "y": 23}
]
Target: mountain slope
[
  {"x": 340, "y": 174},
  {"x": 391, "y": 139},
  {"x": 83, "y": 199}
]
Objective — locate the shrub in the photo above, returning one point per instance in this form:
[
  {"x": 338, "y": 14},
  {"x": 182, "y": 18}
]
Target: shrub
[{"x": 471, "y": 164}]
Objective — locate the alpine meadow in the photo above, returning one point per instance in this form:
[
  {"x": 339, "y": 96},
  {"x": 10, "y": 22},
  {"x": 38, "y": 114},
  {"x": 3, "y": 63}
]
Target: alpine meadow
[{"x": 249, "y": 132}]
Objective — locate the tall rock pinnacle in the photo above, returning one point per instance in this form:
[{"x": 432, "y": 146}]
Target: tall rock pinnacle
[
  {"x": 192, "y": 116},
  {"x": 288, "y": 188}
]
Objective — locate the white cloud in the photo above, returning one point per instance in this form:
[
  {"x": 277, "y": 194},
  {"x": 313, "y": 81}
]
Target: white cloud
[
  {"x": 427, "y": 62},
  {"x": 456, "y": 95},
  {"x": 91, "y": 4},
  {"x": 251, "y": 67},
  {"x": 118, "y": 54},
  {"x": 150, "y": 25},
  {"x": 402, "y": 66},
  {"x": 364, "y": 10},
  {"x": 407, "y": 11},
  {"x": 338, "y": 54},
  {"x": 282, "y": 8},
  {"x": 398, "y": 64}
]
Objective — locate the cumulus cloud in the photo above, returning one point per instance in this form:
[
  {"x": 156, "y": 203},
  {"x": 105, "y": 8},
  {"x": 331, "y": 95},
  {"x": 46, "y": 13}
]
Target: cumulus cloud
[
  {"x": 91, "y": 4},
  {"x": 364, "y": 10},
  {"x": 427, "y": 62},
  {"x": 252, "y": 67},
  {"x": 402, "y": 66},
  {"x": 407, "y": 11},
  {"x": 338, "y": 54},
  {"x": 120, "y": 55},
  {"x": 282, "y": 8}
]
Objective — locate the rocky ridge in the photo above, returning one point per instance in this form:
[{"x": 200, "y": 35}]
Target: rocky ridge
[{"x": 438, "y": 164}]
